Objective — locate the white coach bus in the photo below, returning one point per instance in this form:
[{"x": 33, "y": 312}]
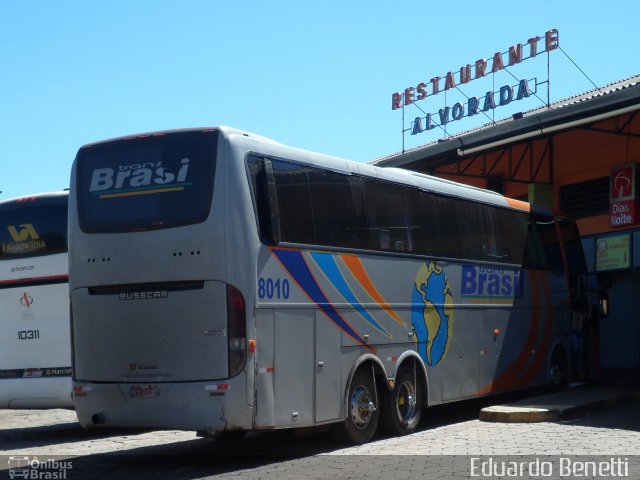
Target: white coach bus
[
  {"x": 223, "y": 282},
  {"x": 35, "y": 351}
]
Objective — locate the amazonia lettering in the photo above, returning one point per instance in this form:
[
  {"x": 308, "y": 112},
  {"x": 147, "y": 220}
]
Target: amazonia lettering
[{"x": 14, "y": 248}]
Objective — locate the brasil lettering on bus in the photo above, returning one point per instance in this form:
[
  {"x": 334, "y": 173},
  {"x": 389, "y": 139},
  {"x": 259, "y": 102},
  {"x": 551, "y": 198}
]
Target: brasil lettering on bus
[
  {"x": 489, "y": 282},
  {"x": 137, "y": 176}
]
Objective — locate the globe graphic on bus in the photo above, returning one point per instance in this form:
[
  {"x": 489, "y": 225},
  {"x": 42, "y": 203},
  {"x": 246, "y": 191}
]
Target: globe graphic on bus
[{"x": 432, "y": 313}]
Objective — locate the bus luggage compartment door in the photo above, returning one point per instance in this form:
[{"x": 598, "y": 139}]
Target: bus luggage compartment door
[{"x": 151, "y": 333}]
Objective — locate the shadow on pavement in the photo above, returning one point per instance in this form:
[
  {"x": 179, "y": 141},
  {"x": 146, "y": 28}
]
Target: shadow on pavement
[{"x": 622, "y": 417}]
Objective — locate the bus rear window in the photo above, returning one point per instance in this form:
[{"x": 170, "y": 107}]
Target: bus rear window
[
  {"x": 147, "y": 182},
  {"x": 29, "y": 231}
]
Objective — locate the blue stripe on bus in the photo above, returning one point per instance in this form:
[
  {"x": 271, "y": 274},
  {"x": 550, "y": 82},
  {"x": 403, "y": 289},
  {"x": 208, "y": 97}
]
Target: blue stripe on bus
[
  {"x": 329, "y": 267},
  {"x": 295, "y": 264}
]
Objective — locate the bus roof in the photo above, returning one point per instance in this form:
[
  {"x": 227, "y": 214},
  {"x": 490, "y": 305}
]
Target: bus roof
[
  {"x": 419, "y": 180},
  {"x": 39, "y": 198}
]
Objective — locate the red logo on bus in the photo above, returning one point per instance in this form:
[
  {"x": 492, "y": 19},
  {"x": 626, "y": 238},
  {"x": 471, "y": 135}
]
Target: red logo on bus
[{"x": 26, "y": 300}]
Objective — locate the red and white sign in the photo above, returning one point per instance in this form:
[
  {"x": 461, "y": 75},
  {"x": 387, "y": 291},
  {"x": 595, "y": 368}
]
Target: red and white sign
[{"x": 623, "y": 206}]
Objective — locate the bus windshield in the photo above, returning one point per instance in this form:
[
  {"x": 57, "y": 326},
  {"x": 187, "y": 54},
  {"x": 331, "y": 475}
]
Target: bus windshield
[
  {"x": 31, "y": 230},
  {"x": 146, "y": 182}
]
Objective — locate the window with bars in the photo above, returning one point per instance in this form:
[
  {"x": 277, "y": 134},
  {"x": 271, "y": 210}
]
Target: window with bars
[{"x": 585, "y": 199}]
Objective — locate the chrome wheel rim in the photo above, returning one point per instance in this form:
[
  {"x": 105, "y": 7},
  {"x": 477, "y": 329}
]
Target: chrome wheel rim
[
  {"x": 362, "y": 407},
  {"x": 406, "y": 404}
]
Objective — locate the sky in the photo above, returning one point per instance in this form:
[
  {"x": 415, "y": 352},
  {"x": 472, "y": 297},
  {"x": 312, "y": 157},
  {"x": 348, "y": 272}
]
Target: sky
[{"x": 318, "y": 75}]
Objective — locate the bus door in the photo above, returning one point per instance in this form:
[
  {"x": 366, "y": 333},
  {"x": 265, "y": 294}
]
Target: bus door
[
  {"x": 298, "y": 354},
  {"x": 459, "y": 369},
  {"x": 306, "y": 368},
  {"x": 328, "y": 369},
  {"x": 503, "y": 327},
  {"x": 293, "y": 366}
]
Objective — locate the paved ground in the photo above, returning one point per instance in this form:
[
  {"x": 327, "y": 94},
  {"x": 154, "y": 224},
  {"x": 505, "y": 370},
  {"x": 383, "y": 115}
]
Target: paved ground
[{"x": 443, "y": 448}]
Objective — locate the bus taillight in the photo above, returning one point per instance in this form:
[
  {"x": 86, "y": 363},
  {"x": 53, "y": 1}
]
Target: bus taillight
[
  {"x": 236, "y": 330},
  {"x": 81, "y": 390}
]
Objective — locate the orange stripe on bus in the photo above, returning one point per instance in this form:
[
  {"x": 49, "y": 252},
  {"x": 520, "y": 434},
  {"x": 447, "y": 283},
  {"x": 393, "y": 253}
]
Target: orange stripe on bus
[
  {"x": 357, "y": 269},
  {"x": 541, "y": 355},
  {"x": 508, "y": 379},
  {"x": 519, "y": 204}
]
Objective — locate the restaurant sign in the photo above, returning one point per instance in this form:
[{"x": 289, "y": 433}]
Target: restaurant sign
[{"x": 474, "y": 105}]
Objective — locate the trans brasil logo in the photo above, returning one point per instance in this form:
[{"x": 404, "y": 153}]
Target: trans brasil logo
[
  {"x": 488, "y": 284},
  {"x": 432, "y": 313},
  {"x": 138, "y": 179}
]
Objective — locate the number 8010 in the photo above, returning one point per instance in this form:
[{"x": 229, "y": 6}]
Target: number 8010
[{"x": 269, "y": 288}]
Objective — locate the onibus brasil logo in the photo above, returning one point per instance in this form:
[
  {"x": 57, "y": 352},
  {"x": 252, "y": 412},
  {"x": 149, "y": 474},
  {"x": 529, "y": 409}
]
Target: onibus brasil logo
[{"x": 40, "y": 469}]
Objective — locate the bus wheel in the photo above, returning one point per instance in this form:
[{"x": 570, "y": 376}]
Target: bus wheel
[
  {"x": 363, "y": 414},
  {"x": 558, "y": 371},
  {"x": 402, "y": 406}
]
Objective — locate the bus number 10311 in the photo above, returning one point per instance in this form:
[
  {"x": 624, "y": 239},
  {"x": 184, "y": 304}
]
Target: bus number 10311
[
  {"x": 269, "y": 288},
  {"x": 28, "y": 334}
]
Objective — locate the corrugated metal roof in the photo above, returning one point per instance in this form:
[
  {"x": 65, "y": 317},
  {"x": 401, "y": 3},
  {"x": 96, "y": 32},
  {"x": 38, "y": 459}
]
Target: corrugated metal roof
[
  {"x": 596, "y": 92},
  {"x": 570, "y": 103}
]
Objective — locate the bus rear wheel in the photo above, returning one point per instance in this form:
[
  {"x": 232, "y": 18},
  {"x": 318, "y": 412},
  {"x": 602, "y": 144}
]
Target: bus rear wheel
[
  {"x": 363, "y": 414},
  {"x": 402, "y": 406},
  {"x": 558, "y": 371}
]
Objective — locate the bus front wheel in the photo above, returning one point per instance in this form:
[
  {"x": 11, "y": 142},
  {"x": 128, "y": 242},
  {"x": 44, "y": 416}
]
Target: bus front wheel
[
  {"x": 402, "y": 406},
  {"x": 363, "y": 413}
]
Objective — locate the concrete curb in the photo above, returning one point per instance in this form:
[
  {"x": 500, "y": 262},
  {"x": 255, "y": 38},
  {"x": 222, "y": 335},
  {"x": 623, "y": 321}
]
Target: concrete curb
[
  {"x": 507, "y": 414},
  {"x": 555, "y": 407}
]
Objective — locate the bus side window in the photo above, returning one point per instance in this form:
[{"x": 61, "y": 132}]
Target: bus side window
[
  {"x": 434, "y": 233},
  {"x": 260, "y": 192},
  {"x": 534, "y": 255},
  {"x": 509, "y": 229},
  {"x": 388, "y": 216},
  {"x": 546, "y": 228},
  {"x": 338, "y": 209},
  {"x": 294, "y": 202},
  {"x": 572, "y": 246}
]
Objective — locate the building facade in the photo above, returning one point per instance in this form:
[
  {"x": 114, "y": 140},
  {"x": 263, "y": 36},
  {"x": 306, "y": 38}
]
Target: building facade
[{"x": 580, "y": 156}]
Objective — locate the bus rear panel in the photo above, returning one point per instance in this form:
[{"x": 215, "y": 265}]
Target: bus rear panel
[{"x": 159, "y": 332}]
